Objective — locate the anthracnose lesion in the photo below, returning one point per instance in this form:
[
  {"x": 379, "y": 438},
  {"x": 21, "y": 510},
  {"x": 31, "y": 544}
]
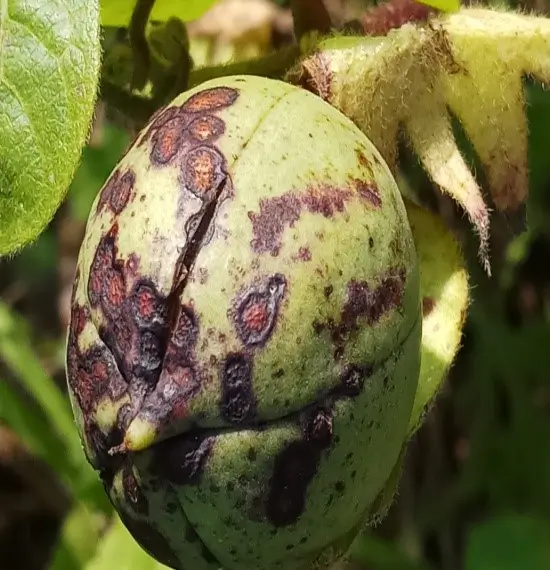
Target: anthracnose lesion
[
  {"x": 295, "y": 466},
  {"x": 254, "y": 312},
  {"x": 181, "y": 460},
  {"x": 238, "y": 401}
]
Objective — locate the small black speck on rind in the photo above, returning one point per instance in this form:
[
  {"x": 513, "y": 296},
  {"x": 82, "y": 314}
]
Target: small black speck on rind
[{"x": 353, "y": 380}]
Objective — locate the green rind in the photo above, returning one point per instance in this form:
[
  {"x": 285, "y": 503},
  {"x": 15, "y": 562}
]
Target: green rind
[
  {"x": 280, "y": 143},
  {"x": 225, "y": 508}
]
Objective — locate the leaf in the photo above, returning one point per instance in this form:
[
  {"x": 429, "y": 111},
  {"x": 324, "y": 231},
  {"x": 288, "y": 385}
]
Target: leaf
[
  {"x": 376, "y": 553},
  {"x": 467, "y": 65},
  {"x": 18, "y": 356},
  {"x": 117, "y": 544},
  {"x": 49, "y": 63},
  {"x": 444, "y": 290},
  {"x": 77, "y": 542},
  {"x": 96, "y": 166},
  {"x": 443, "y": 5},
  {"x": 509, "y": 543},
  {"x": 32, "y": 429},
  {"x": 50, "y": 431},
  {"x": 117, "y": 13}
]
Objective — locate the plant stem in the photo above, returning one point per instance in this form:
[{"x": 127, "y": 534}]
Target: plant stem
[
  {"x": 274, "y": 65},
  {"x": 138, "y": 41},
  {"x": 134, "y": 107},
  {"x": 310, "y": 16},
  {"x": 137, "y": 109}
]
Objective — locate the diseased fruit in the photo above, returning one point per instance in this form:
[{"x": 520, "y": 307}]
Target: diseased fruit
[{"x": 244, "y": 346}]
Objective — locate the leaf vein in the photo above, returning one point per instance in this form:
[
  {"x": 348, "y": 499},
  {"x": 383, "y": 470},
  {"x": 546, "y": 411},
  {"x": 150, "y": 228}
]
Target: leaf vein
[
  {"x": 57, "y": 58},
  {"x": 21, "y": 102}
]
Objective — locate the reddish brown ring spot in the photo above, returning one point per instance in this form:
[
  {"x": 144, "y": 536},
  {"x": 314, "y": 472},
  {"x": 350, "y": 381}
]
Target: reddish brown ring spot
[
  {"x": 167, "y": 141},
  {"x": 206, "y": 129},
  {"x": 204, "y": 171},
  {"x": 211, "y": 99},
  {"x": 255, "y": 312}
]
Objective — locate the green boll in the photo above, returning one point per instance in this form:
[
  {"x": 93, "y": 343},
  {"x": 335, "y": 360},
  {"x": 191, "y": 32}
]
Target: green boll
[{"x": 244, "y": 346}]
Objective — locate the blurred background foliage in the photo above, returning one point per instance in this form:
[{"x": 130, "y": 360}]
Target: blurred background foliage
[{"x": 475, "y": 492}]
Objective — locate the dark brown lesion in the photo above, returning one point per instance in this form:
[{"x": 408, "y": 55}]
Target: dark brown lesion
[
  {"x": 181, "y": 348},
  {"x": 352, "y": 380},
  {"x": 238, "y": 401},
  {"x": 268, "y": 225},
  {"x": 180, "y": 378},
  {"x": 134, "y": 323},
  {"x": 167, "y": 140},
  {"x": 93, "y": 376},
  {"x": 296, "y": 466},
  {"x": 204, "y": 170},
  {"x": 149, "y": 308},
  {"x": 362, "y": 159},
  {"x": 159, "y": 119},
  {"x": 116, "y": 194},
  {"x": 114, "y": 290},
  {"x": 281, "y": 212},
  {"x": 151, "y": 540},
  {"x": 326, "y": 200},
  {"x": 369, "y": 192},
  {"x": 372, "y": 303},
  {"x": 206, "y": 129},
  {"x": 255, "y": 310},
  {"x": 133, "y": 493},
  {"x": 428, "y": 305},
  {"x": 178, "y": 130},
  {"x": 104, "y": 259},
  {"x": 303, "y": 255},
  {"x": 166, "y": 405},
  {"x": 181, "y": 460},
  {"x": 363, "y": 302},
  {"x": 208, "y": 100}
]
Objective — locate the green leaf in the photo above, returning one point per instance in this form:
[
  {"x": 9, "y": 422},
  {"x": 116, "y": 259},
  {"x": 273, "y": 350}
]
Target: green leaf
[
  {"x": 32, "y": 428},
  {"x": 443, "y": 5},
  {"x": 78, "y": 540},
  {"x": 17, "y": 354},
  {"x": 48, "y": 431},
  {"x": 118, "y": 12},
  {"x": 376, "y": 553},
  {"x": 96, "y": 166},
  {"x": 49, "y": 63},
  {"x": 118, "y": 544},
  {"x": 509, "y": 543},
  {"x": 444, "y": 290}
]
